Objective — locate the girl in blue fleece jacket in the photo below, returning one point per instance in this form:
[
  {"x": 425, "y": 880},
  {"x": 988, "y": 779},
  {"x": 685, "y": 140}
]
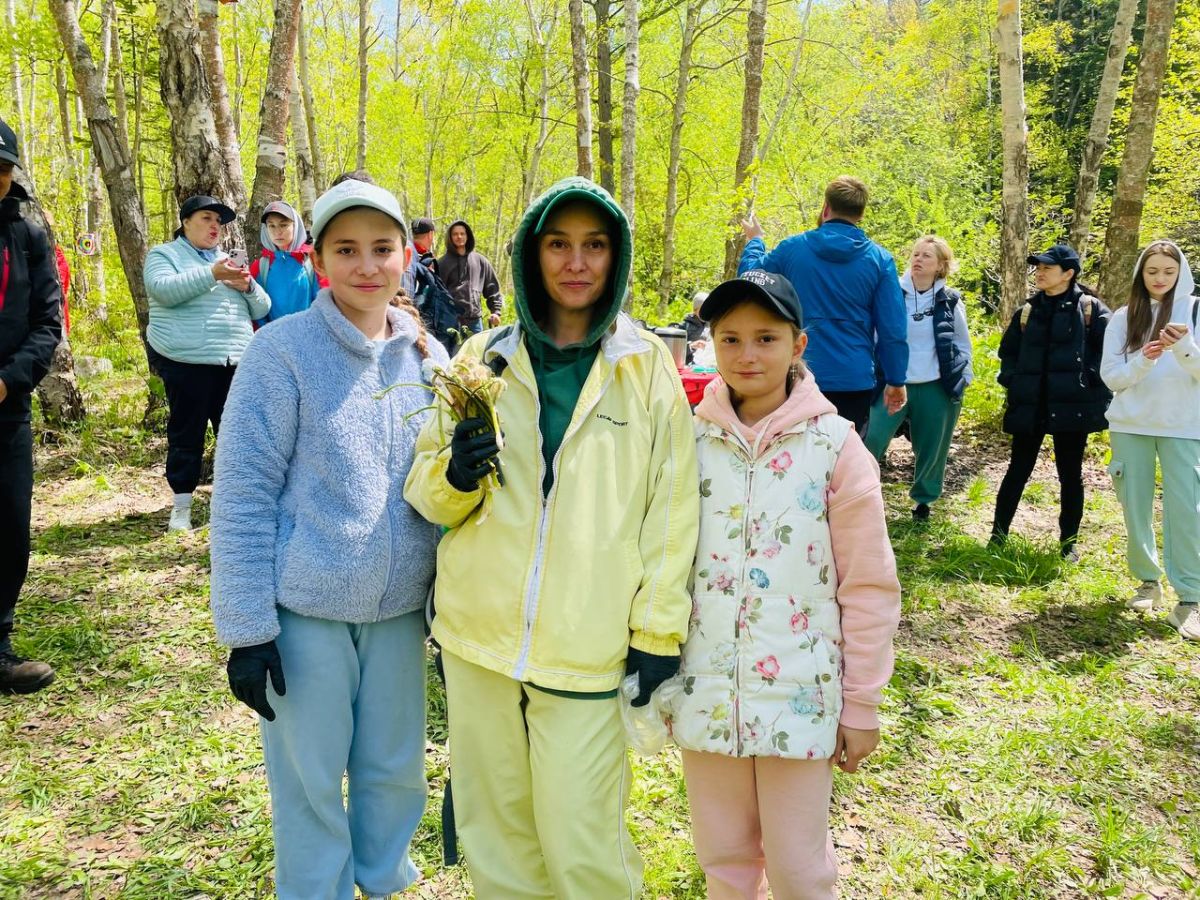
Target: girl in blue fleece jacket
[{"x": 320, "y": 568}]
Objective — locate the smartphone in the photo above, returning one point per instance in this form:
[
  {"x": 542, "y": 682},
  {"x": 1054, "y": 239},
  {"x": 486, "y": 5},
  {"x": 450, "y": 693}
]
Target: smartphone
[{"x": 238, "y": 259}]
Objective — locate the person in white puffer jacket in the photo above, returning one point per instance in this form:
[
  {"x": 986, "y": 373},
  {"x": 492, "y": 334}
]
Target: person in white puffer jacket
[{"x": 1152, "y": 364}]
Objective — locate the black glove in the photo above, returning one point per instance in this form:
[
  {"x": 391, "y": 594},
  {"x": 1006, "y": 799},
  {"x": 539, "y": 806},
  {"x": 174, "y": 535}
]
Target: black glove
[
  {"x": 247, "y": 670},
  {"x": 473, "y": 453},
  {"x": 651, "y": 672}
]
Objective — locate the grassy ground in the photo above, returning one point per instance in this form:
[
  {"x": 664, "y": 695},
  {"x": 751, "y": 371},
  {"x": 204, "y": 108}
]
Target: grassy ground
[{"x": 1039, "y": 740}]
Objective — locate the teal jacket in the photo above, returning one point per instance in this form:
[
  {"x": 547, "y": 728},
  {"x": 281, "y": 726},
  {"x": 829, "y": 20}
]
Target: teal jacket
[{"x": 193, "y": 317}]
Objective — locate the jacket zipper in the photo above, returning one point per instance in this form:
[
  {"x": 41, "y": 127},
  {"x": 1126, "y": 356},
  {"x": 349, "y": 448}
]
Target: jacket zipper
[
  {"x": 534, "y": 584},
  {"x": 743, "y": 608},
  {"x": 388, "y": 459}
]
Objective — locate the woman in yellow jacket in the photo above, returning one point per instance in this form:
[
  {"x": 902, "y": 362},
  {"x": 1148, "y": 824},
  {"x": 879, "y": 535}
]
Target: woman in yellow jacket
[{"x": 577, "y": 576}]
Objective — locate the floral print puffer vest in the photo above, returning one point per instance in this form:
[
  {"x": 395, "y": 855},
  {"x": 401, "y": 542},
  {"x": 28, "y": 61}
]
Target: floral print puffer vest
[{"x": 761, "y": 673}]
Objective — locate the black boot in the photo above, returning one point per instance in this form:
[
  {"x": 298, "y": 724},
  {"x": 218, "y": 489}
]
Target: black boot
[
  {"x": 22, "y": 676},
  {"x": 920, "y": 512}
]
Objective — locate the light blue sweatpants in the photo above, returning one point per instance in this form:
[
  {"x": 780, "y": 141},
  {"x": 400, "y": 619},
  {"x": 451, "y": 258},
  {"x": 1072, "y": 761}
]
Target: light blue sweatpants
[
  {"x": 1132, "y": 470},
  {"x": 355, "y": 707}
]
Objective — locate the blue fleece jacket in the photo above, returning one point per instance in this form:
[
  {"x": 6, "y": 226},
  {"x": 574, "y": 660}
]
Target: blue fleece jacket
[
  {"x": 853, "y": 308},
  {"x": 308, "y": 511},
  {"x": 290, "y": 283}
]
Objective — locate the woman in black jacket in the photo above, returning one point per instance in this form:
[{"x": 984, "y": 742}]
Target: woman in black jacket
[{"x": 1050, "y": 366}]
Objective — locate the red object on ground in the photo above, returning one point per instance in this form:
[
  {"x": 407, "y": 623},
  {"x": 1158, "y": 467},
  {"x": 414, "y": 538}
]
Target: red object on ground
[{"x": 694, "y": 384}]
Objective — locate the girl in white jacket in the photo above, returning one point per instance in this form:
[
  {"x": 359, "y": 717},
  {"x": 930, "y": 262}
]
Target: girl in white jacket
[
  {"x": 795, "y": 605},
  {"x": 1152, "y": 364}
]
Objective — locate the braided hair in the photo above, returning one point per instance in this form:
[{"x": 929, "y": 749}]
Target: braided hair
[{"x": 403, "y": 302}]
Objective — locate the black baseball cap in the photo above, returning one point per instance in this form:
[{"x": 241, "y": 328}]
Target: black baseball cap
[
  {"x": 193, "y": 205},
  {"x": 423, "y": 226},
  {"x": 774, "y": 290},
  {"x": 10, "y": 150},
  {"x": 1058, "y": 255}
]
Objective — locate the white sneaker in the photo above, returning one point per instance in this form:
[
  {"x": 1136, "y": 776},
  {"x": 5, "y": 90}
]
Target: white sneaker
[
  {"x": 1148, "y": 595},
  {"x": 1186, "y": 619},
  {"x": 181, "y": 519}
]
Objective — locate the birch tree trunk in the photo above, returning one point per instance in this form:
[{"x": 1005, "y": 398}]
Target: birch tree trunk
[
  {"x": 112, "y": 154},
  {"x": 310, "y": 117},
  {"x": 1014, "y": 215},
  {"x": 116, "y": 66},
  {"x": 604, "y": 101},
  {"x": 364, "y": 11},
  {"x": 1097, "y": 139},
  {"x": 756, "y": 38},
  {"x": 583, "y": 101},
  {"x": 629, "y": 124},
  {"x": 542, "y": 37},
  {"x": 199, "y": 161},
  {"x": 270, "y": 169},
  {"x": 629, "y": 114},
  {"x": 666, "y": 278},
  {"x": 18, "y": 93},
  {"x": 227, "y": 131},
  {"x": 1125, "y": 221},
  {"x": 304, "y": 163}
]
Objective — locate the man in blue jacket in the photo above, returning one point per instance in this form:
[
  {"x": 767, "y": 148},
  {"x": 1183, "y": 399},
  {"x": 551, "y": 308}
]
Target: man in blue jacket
[
  {"x": 30, "y": 329},
  {"x": 853, "y": 309}
]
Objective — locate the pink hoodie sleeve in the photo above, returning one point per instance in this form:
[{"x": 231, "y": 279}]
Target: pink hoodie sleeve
[{"x": 868, "y": 590}]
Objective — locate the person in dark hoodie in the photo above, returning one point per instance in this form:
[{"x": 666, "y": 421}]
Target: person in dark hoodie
[
  {"x": 470, "y": 278},
  {"x": 578, "y": 576},
  {"x": 853, "y": 309},
  {"x": 30, "y": 329},
  {"x": 284, "y": 269}
]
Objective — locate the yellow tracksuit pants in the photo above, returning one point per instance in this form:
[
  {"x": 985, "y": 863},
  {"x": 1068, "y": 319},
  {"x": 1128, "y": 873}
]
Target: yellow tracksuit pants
[{"x": 540, "y": 788}]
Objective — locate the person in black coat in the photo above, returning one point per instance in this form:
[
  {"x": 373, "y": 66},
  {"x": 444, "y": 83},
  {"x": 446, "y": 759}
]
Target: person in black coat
[
  {"x": 1050, "y": 365},
  {"x": 30, "y": 329}
]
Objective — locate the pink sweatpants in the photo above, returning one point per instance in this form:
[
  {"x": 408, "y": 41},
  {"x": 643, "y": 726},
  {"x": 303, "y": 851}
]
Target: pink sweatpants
[{"x": 762, "y": 819}]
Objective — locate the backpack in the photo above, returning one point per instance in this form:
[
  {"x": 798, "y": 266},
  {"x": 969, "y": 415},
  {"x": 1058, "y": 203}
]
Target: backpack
[{"x": 437, "y": 308}]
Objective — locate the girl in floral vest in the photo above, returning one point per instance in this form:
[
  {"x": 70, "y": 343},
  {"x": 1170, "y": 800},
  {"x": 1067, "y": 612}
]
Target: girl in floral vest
[{"x": 795, "y": 605}]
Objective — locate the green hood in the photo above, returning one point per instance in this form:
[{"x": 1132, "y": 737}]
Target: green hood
[{"x": 531, "y": 297}]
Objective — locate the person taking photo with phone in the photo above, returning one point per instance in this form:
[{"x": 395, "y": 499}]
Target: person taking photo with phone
[
  {"x": 1152, "y": 364},
  {"x": 202, "y": 305}
]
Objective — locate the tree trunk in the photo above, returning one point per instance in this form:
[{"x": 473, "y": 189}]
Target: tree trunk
[
  {"x": 1014, "y": 227},
  {"x": 270, "y": 170},
  {"x": 1125, "y": 221},
  {"x": 112, "y": 154},
  {"x": 542, "y": 39},
  {"x": 364, "y": 11},
  {"x": 58, "y": 392},
  {"x": 304, "y": 163},
  {"x": 310, "y": 117},
  {"x": 117, "y": 68},
  {"x": 1097, "y": 139},
  {"x": 790, "y": 87},
  {"x": 604, "y": 103},
  {"x": 138, "y": 109},
  {"x": 629, "y": 122},
  {"x": 21, "y": 126},
  {"x": 666, "y": 278},
  {"x": 227, "y": 132},
  {"x": 200, "y": 165},
  {"x": 583, "y": 92},
  {"x": 756, "y": 38}
]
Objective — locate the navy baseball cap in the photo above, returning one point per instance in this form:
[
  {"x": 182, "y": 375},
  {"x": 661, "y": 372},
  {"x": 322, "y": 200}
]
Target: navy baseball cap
[
  {"x": 774, "y": 290},
  {"x": 10, "y": 150},
  {"x": 1058, "y": 255},
  {"x": 423, "y": 226},
  {"x": 193, "y": 205}
]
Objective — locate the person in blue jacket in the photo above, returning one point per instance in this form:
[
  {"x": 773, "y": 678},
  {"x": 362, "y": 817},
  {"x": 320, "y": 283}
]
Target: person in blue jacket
[
  {"x": 854, "y": 312},
  {"x": 284, "y": 269}
]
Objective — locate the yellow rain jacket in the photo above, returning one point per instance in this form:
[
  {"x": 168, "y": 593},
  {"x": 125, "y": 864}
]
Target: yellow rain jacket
[{"x": 554, "y": 592}]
